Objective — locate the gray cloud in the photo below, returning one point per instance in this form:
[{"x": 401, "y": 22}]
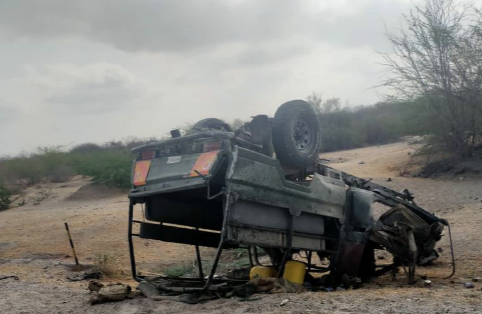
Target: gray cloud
[
  {"x": 7, "y": 115},
  {"x": 92, "y": 89},
  {"x": 87, "y": 70},
  {"x": 154, "y": 25},
  {"x": 65, "y": 103}
]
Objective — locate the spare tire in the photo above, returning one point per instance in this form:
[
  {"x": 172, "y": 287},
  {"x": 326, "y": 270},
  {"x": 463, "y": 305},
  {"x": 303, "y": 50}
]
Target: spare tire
[{"x": 296, "y": 134}]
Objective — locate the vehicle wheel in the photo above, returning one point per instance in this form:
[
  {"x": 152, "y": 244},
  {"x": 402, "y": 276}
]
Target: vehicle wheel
[
  {"x": 210, "y": 124},
  {"x": 296, "y": 134}
]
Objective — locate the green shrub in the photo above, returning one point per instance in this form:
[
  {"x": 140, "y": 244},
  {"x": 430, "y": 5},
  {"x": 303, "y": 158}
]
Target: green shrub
[
  {"x": 382, "y": 123},
  {"x": 47, "y": 164},
  {"x": 179, "y": 270},
  {"x": 24, "y": 168},
  {"x": 55, "y": 165},
  {"x": 5, "y": 195},
  {"x": 111, "y": 167}
]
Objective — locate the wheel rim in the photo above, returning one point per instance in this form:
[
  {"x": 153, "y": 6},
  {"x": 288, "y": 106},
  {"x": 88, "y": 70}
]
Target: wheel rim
[{"x": 302, "y": 135}]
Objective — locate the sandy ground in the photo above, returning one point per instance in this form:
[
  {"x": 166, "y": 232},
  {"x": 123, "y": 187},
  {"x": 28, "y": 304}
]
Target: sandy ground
[{"x": 34, "y": 247}]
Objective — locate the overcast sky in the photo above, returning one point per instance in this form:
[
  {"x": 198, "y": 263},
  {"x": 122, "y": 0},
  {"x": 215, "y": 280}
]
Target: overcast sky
[{"x": 91, "y": 71}]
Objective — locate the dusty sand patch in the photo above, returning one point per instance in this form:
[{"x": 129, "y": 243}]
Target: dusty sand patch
[{"x": 96, "y": 191}]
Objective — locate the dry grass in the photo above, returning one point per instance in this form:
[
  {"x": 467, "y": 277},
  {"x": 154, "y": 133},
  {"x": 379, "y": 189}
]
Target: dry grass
[{"x": 105, "y": 264}]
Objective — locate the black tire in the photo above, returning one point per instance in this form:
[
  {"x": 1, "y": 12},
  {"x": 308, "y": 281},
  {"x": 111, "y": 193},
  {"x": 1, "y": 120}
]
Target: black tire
[
  {"x": 296, "y": 134},
  {"x": 210, "y": 124}
]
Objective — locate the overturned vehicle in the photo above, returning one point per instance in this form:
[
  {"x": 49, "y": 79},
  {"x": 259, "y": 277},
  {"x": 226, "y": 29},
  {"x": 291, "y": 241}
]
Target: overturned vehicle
[{"x": 263, "y": 185}]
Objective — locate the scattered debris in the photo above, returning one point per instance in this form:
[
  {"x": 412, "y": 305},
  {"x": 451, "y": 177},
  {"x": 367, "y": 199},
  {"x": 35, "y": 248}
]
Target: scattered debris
[
  {"x": 427, "y": 284},
  {"x": 109, "y": 293},
  {"x": 6, "y": 277},
  {"x": 284, "y": 302},
  {"x": 389, "y": 180},
  {"x": 351, "y": 282},
  {"x": 249, "y": 299},
  {"x": 239, "y": 273},
  {"x": 85, "y": 276},
  {"x": 270, "y": 285},
  {"x": 468, "y": 285},
  {"x": 162, "y": 289},
  {"x": 361, "y": 163},
  {"x": 175, "y": 289}
]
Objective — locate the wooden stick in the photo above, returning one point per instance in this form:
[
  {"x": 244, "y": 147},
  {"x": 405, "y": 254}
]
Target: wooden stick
[{"x": 77, "y": 265}]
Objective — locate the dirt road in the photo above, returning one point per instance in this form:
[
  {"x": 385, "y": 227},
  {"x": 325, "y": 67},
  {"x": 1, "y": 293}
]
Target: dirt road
[{"x": 34, "y": 247}]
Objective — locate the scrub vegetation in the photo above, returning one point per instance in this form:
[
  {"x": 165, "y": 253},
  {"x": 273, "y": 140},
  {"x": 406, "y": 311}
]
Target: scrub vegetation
[{"x": 108, "y": 164}]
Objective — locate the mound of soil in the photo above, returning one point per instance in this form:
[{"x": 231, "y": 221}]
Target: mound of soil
[
  {"x": 451, "y": 167},
  {"x": 93, "y": 191}
]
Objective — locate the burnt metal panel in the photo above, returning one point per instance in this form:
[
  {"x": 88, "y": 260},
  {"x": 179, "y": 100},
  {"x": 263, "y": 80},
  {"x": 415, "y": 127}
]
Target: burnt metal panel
[
  {"x": 266, "y": 216},
  {"x": 349, "y": 258},
  {"x": 186, "y": 208},
  {"x": 179, "y": 235},
  {"x": 360, "y": 210},
  {"x": 273, "y": 238},
  {"x": 260, "y": 179}
]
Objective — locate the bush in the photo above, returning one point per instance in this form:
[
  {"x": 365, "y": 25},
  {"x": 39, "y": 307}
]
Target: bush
[
  {"x": 111, "y": 167},
  {"x": 23, "y": 168},
  {"x": 86, "y": 148},
  {"x": 55, "y": 165},
  {"x": 105, "y": 265},
  {"x": 5, "y": 195},
  {"x": 47, "y": 164},
  {"x": 108, "y": 164},
  {"x": 179, "y": 270},
  {"x": 382, "y": 123}
]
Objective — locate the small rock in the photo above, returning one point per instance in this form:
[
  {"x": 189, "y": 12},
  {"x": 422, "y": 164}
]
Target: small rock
[
  {"x": 329, "y": 289},
  {"x": 361, "y": 163},
  {"x": 283, "y": 303},
  {"x": 461, "y": 178},
  {"x": 389, "y": 180}
]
